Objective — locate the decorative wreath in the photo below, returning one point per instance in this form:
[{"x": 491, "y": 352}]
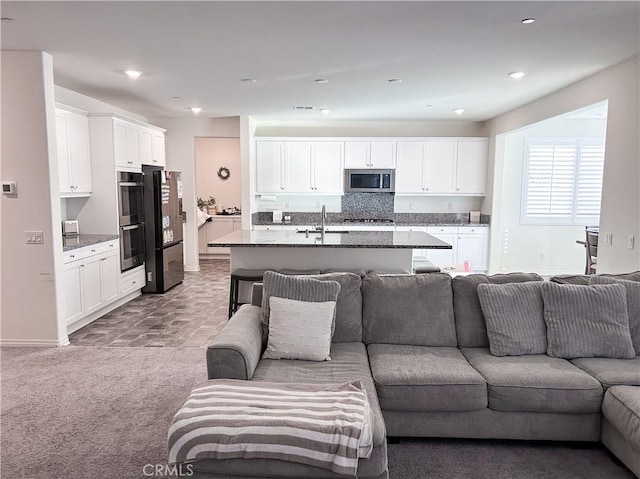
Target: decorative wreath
[{"x": 224, "y": 173}]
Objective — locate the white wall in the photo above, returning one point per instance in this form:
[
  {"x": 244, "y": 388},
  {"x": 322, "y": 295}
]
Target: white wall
[
  {"x": 91, "y": 105},
  {"x": 545, "y": 249},
  {"x": 620, "y": 211},
  {"x": 28, "y": 302},
  {"x": 180, "y": 146}
]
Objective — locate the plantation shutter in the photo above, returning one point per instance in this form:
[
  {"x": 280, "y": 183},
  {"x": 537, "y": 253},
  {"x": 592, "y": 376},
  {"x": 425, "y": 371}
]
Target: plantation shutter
[
  {"x": 550, "y": 181},
  {"x": 589, "y": 183}
]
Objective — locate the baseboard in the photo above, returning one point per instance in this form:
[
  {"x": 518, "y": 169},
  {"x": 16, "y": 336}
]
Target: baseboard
[
  {"x": 82, "y": 322},
  {"x": 33, "y": 343}
]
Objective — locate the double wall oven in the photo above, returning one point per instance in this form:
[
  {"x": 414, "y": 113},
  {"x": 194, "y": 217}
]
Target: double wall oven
[{"x": 131, "y": 216}]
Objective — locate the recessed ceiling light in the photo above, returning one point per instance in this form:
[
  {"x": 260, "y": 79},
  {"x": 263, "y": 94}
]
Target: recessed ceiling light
[
  {"x": 395, "y": 80},
  {"x": 176, "y": 97},
  {"x": 517, "y": 75},
  {"x": 133, "y": 74},
  {"x": 322, "y": 80},
  {"x": 8, "y": 20},
  {"x": 458, "y": 111},
  {"x": 325, "y": 111},
  {"x": 195, "y": 109},
  {"x": 429, "y": 106},
  {"x": 248, "y": 80},
  {"x": 527, "y": 21}
]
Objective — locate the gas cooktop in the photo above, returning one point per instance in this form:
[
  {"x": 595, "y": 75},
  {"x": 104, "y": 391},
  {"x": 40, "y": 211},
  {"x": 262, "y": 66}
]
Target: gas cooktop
[{"x": 368, "y": 220}]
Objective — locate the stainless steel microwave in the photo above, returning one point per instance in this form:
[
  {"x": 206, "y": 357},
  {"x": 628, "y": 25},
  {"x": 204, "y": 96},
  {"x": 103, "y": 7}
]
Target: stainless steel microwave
[{"x": 370, "y": 181}]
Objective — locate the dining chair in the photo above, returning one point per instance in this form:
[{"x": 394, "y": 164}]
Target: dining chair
[{"x": 591, "y": 248}]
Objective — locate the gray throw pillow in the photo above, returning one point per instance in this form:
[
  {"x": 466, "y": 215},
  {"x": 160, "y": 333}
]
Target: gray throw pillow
[
  {"x": 587, "y": 321},
  {"x": 299, "y": 329},
  {"x": 300, "y": 288},
  {"x": 514, "y": 315},
  {"x": 633, "y": 304}
]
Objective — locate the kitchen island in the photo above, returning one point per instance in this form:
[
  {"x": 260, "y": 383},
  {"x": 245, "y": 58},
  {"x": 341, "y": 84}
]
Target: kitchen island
[{"x": 335, "y": 250}]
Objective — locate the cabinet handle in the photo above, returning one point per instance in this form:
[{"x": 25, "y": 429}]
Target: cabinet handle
[{"x": 457, "y": 189}]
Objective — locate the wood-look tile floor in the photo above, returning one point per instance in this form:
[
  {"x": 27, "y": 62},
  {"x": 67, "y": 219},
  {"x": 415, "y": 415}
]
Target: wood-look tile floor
[{"x": 188, "y": 315}]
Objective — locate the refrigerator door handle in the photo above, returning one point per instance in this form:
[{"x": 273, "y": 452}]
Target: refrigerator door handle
[{"x": 131, "y": 227}]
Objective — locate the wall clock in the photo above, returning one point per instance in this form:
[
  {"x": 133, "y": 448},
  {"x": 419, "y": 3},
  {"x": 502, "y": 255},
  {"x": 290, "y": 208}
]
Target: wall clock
[{"x": 224, "y": 173}]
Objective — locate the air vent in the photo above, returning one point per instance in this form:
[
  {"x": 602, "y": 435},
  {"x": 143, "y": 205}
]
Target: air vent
[{"x": 302, "y": 107}]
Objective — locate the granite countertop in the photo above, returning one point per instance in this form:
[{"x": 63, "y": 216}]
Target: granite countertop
[
  {"x": 353, "y": 239},
  {"x": 79, "y": 241},
  {"x": 345, "y": 226}
]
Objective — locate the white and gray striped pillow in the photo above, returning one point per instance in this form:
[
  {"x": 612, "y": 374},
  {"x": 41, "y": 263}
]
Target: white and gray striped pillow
[
  {"x": 514, "y": 316},
  {"x": 587, "y": 321}
]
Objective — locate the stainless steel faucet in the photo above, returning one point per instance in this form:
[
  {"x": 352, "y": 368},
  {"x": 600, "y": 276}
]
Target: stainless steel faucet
[{"x": 324, "y": 217}]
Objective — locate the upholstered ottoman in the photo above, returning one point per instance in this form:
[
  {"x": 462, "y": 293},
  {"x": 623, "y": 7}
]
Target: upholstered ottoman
[{"x": 621, "y": 424}]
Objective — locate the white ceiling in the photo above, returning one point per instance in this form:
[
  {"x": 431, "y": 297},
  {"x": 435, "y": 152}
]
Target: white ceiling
[{"x": 448, "y": 54}]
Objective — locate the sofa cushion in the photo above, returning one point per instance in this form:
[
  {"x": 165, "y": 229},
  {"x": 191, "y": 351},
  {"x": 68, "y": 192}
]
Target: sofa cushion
[
  {"x": 621, "y": 407},
  {"x": 612, "y": 372},
  {"x": 470, "y": 324},
  {"x": 349, "y": 362},
  {"x": 299, "y": 329},
  {"x": 300, "y": 288},
  {"x": 586, "y": 278},
  {"x": 515, "y": 318},
  {"x": 408, "y": 309},
  {"x": 633, "y": 304},
  {"x": 535, "y": 383},
  {"x": 587, "y": 321},
  {"x": 348, "y": 325},
  {"x": 422, "y": 378}
]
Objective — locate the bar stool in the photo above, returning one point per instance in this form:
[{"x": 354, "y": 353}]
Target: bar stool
[{"x": 254, "y": 276}]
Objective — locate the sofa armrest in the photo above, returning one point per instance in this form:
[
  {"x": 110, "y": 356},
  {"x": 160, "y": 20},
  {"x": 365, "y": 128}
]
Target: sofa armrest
[
  {"x": 256, "y": 294},
  {"x": 235, "y": 352}
]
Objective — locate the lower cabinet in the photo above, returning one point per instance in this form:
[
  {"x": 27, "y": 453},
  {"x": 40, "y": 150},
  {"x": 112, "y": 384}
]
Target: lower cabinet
[
  {"x": 90, "y": 278},
  {"x": 468, "y": 243},
  {"x": 214, "y": 229},
  {"x": 132, "y": 280}
]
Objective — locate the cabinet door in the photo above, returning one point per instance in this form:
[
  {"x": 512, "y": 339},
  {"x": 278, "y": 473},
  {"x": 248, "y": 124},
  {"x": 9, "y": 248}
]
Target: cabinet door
[
  {"x": 91, "y": 288},
  {"x": 269, "y": 166},
  {"x": 109, "y": 276},
  {"x": 297, "y": 167},
  {"x": 146, "y": 156},
  {"x": 237, "y": 223},
  {"x": 410, "y": 167},
  {"x": 328, "y": 169},
  {"x": 471, "y": 167},
  {"x": 440, "y": 164},
  {"x": 80, "y": 161},
  {"x": 418, "y": 254},
  {"x": 443, "y": 257},
  {"x": 62, "y": 140},
  {"x": 120, "y": 143},
  {"x": 472, "y": 246},
  {"x": 356, "y": 154},
  {"x": 383, "y": 154},
  {"x": 133, "y": 146},
  {"x": 72, "y": 285},
  {"x": 158, "y": 155}
]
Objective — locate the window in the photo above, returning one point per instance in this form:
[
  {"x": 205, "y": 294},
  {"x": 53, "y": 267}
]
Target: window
[{"x": 562, "y": 181}]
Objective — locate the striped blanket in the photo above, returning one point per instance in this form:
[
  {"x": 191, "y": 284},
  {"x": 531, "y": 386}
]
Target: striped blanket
[{"x": 322, "y": 425}]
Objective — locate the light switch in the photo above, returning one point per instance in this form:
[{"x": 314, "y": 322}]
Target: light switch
[
  {"x": 631, "y": 242},
  {"x": 34, "y": 237},
  {"x": 608, "y": 239}
]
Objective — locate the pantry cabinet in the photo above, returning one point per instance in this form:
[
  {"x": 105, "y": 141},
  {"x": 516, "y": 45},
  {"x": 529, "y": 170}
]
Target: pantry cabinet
[{"x": 74, "y": 161}]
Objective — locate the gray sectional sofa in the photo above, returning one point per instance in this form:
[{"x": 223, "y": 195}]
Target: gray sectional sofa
[{"x": 419, "y": 343}]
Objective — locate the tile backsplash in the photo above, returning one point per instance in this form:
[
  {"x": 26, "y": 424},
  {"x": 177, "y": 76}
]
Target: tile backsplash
[{"x": 368, "y": 205}]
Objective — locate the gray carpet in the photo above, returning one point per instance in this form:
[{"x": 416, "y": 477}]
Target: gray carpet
[{"x": 87, "y": 412}]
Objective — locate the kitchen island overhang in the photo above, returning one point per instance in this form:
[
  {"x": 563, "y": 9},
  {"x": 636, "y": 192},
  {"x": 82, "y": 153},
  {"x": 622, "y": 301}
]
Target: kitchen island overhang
[{"x": 354, "y": 250}]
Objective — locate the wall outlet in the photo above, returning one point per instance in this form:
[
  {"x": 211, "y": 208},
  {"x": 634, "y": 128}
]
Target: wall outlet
[
  {"x": 287, "y": 205},
  {"x": 34, "y": 237},
  {"x": 410, "y": 206},
  {"x": 631, "y": 242},
  {"x": 541, "y": 255},
  {"x": 449, "y": 205},
  {"x": 608, "y": 239}
]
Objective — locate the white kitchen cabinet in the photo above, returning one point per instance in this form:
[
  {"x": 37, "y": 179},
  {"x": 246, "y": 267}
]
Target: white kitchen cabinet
[
  {"x": 443, "y": 257},
  {"x": 126, "y": 144},
  {"x": 370, "y": 154},
  {"x": 214, "y": 229},
  {"x": 472, "y": 246},
  {"x": 90, "y": 279},
  {"x": 158, "y": 152},
  {"x": 131, "y": 281},
  {"x": 146, "y": 141},
  {"x": 471, "y": 167},
  {"x": 268, "y": 227},
  {"x": 442, "y": 167},
  {"x": 418, "y": 254},
  {"x": 299, "y": 167},
  {"x": 74, "y": 162}
]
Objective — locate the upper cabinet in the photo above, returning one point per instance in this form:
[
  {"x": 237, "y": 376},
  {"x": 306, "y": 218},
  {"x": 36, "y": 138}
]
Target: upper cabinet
[
  {"x": 136, "y": 145},
  {"x": 74, "y": 162},
  {"x": 299, "y": 167},
  {"x": 442, "y": 167},
  {"x": 370, "y": 154}
]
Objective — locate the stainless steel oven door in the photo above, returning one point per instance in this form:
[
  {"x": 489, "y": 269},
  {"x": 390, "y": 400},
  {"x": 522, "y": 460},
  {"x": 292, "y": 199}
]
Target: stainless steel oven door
[
  {"x": 131, "y": 246},
  {"x": 130, "y": 198}
]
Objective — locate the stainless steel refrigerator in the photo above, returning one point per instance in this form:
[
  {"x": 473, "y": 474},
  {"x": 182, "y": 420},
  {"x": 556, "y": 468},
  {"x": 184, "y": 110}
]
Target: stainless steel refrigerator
[{"x": 163, "y": 229}]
